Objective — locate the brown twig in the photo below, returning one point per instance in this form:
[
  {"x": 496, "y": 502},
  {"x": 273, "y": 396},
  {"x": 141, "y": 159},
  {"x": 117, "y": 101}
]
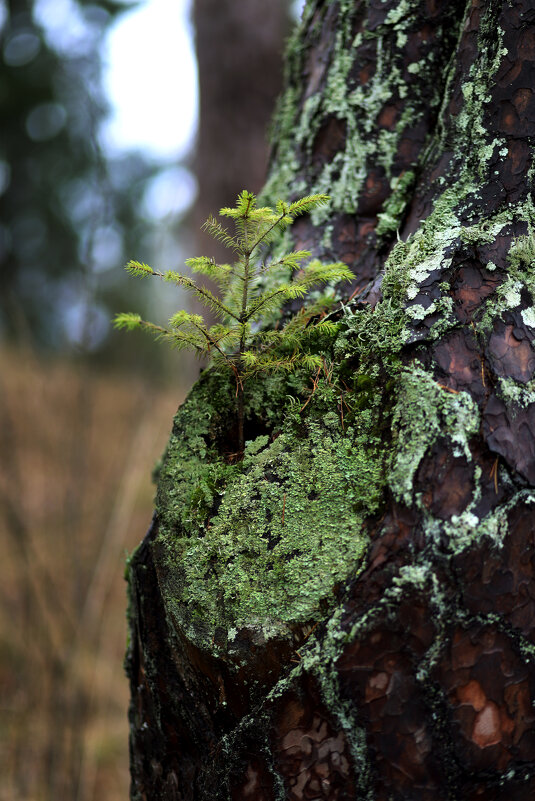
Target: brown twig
[
  {"x": 355, "y": 292},
  {"x": 448, "y": 389},
  {"x": 494, "y": 472},
  {"x": 314, "y": 627},
  {"x": 328, "y": 371},
  {"x": 314, "y": 388}
]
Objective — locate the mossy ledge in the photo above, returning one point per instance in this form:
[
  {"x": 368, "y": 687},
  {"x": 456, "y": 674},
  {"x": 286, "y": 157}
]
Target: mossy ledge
[{"x": 262, "y": 544}]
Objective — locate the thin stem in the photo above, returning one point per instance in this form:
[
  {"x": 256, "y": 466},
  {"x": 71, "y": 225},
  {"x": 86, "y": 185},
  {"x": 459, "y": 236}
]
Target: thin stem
[
  {"x": 240, "y": 414},
  {"x": 165, "y": 332},
  {"x": 262, "y": 301},
  {"x": 269, "y": 230},
  {"x": 240, "y": 366},
  {"x": 213, "y": 342},
  {"x": 194, "y": 287}
]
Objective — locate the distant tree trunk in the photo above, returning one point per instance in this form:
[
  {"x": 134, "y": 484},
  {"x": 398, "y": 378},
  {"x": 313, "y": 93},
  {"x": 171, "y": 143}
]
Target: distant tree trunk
[
  {"x": 239, "y": 54},
  {"x": 350, "y": 613}
]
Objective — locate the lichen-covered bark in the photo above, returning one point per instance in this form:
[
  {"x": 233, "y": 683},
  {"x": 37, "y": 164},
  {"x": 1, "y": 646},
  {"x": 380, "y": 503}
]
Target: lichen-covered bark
[{"x": 350, "y": 612}]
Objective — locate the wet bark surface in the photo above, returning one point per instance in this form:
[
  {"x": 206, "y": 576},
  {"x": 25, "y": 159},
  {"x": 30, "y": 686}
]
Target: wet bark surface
[{"x": 421, "y": 683}]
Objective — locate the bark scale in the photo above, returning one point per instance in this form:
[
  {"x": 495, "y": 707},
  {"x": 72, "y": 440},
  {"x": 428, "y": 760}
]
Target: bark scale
[{"x": 413, "y": 675}]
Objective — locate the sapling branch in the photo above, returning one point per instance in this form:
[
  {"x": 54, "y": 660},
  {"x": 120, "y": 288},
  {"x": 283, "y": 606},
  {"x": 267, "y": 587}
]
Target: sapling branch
[{"x": 231, "y": 344}]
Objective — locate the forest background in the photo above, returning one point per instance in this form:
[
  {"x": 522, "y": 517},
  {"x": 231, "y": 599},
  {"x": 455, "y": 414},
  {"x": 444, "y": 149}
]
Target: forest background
[{"x": 84, "y": 411}]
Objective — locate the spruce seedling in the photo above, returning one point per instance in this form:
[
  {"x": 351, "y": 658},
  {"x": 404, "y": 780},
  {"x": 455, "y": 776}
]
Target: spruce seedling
[{"x": 235, "y": 342}]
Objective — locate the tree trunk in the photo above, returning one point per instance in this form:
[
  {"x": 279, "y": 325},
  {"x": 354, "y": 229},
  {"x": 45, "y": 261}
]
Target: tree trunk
[
  {"x": 349, "y": 613},
  {"x": 239, "y": 56}
]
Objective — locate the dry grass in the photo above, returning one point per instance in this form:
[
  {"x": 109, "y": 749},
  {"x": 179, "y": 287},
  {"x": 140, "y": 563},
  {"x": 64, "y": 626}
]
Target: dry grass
[{"x": 76, "y": 453}]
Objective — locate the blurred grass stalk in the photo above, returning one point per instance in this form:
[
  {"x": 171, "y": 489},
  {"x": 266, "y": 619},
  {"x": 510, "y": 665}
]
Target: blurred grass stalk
[{"x": 76, "y": 453}]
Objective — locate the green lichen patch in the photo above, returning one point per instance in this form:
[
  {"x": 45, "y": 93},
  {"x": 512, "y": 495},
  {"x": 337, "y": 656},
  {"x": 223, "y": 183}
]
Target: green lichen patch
[
  {"x": 332, "y": 90},
  {"x": 514, "y": 393},
  {"x": 428, "y": 255},
  {"x": 391, "y": 217},
  {"x": 263, "y": 543},
  {"x": 520, "y": 275},
  {"x": 476, "y": 93},
  {"x": 429, "y": 249},
  {"x": 466, "y": 529},
  {"x": 425, "y": 411},
  {"x": 371, "y": 338},
  {"x": 192, "y": 467},
  {"x": 287, "y": 529},
  {"x": 522, "y": 252}
]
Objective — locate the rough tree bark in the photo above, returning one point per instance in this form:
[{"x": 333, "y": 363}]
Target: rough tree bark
[{"x": 350, "y": 612}]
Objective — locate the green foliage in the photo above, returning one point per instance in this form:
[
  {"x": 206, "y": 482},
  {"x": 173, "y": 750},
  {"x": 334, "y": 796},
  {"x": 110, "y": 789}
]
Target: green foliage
[
  {"x": 235, "y": 341},
  {"x": 232, "y": 341}
]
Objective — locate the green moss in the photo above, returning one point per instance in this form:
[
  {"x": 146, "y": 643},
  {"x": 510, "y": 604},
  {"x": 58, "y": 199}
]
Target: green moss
[
  {"x": 286, "y": 531},
  {"x": 191, "y": 469},
  {"x": 262, "y": 543}
]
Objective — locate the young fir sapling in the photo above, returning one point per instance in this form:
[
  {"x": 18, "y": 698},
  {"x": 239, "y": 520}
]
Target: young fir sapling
[{"x": 234, "y": 342}]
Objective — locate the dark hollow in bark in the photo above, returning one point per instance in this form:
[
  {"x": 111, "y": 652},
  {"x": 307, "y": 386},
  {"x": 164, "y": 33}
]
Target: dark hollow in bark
[{"x": 413, "y": 676}]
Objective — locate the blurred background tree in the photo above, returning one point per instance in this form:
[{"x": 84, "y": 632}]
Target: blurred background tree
[
  {"x": 78, "y": 439},
  {"x": 68, "y": 213},
  {"x": 240, "y": 75}
]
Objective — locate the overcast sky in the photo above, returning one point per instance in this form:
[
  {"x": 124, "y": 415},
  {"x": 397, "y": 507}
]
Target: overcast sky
[{"x": 151, "y": 80}]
